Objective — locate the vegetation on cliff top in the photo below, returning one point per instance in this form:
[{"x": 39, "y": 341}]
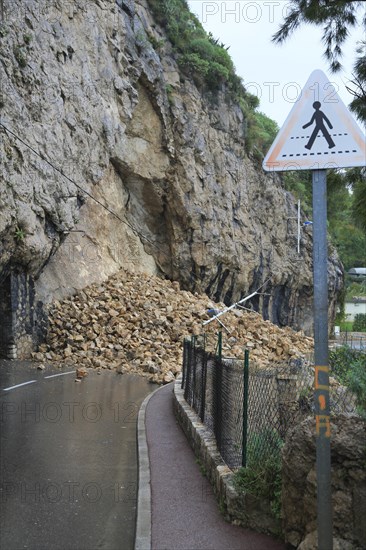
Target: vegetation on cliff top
[{"x": 206, "y": 60}]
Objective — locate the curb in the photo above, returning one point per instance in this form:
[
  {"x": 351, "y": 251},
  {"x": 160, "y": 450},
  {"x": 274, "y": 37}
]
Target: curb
[{"x": 143, "y": 519}]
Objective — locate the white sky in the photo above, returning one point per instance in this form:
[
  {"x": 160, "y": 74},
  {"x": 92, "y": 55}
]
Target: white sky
[{"x": 276, "y": 74}]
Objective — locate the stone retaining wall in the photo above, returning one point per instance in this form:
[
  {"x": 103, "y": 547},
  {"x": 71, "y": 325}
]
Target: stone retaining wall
[
  {"x": 246, "y": 510},
  {"x": 22, "y": 321}
]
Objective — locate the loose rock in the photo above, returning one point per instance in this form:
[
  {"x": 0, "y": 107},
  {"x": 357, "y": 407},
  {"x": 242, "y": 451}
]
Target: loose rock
[{"x": 137, "y": 323}]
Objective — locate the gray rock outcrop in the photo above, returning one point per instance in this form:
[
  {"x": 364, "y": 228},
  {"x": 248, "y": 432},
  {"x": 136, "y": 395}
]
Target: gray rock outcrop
[
  {"x": 299, "y": 506},
  {"x": 84, "y": 85}
]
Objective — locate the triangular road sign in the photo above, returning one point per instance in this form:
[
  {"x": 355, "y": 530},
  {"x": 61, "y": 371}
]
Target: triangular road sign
[{"x": 318, "y": 133}]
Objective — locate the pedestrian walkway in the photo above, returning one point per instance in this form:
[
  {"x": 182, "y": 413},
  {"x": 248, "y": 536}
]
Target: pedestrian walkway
[{"x": 184, "y": 512}]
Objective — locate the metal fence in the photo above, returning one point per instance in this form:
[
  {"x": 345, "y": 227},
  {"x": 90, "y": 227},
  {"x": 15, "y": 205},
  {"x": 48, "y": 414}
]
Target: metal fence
[
  {"x": 214, "y": 388},
  {"x": 352, "y": 339},
  {"x": 250, "y": 409}
]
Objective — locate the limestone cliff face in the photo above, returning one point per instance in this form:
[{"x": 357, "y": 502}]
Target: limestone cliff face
[{"x": 83, "y": 85}]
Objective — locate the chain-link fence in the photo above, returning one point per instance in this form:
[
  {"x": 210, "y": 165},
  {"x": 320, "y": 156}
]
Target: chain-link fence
[
  {"x": 214, "y": 388},
  {"x": 250, "y": 409},
  {"x": 353, "y": 340}
]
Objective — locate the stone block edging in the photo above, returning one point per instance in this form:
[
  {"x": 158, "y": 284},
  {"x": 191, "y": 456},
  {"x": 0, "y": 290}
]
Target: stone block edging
[{"x": 242, "y": 509}]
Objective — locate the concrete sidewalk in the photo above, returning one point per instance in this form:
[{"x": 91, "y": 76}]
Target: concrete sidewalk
[{"x": 181, "y": 506}]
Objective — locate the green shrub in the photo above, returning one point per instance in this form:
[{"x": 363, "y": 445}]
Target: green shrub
[
  {"x": 263, "y": 475},
  {"x": 205, "y": 49},
  {"x": 359, "y": 324},
  {"x": 169, "y": 92},
  {"x": 262, "y": 446},
  {"x": 194, "y": 62},
  {"x": 221, "y": 56},
  {"x": 261, "y": 129},
  {"x": 340, "y": 361},
  {"x": 299, "y": 184},
  {"x": 355, "y": 288},
  {"x": 357, "y": 382},
  {"x": 346, "y": 326},
  {"x": 203, "y": 67},
  {"x": 217, "y": 75},
  {"x": 349, "y": 367}
]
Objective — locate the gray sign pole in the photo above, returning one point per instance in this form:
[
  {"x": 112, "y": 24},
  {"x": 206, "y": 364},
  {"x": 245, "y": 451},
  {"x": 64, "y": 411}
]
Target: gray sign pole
[
  {"x": 289, "y": 151},
  {"x": 321, "y": 385}
]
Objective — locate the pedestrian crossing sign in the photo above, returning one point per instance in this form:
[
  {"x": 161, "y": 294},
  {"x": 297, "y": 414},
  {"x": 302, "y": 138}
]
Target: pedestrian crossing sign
[{"x": 319, "y": 132}]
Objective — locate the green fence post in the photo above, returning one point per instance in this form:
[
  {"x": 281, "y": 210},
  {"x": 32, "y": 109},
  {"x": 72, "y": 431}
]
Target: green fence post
[
  {"x": 184, "y": 369},
  {"x": 217, "y": 378},
  {"x": 219, "y": 344},
  {"x": 245, "y": 407}
]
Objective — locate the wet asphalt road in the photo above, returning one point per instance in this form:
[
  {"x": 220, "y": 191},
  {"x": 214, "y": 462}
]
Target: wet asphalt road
[{"x": 68, "y": 459}]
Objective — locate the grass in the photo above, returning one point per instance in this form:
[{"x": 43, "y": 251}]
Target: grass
[
  {"x": 347, "y": 326},
  {"x": 19, "y": 234}
]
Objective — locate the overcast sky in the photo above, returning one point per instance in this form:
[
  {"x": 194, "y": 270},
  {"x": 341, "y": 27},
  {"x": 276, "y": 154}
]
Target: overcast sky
[{"x": 276, "y": 74}]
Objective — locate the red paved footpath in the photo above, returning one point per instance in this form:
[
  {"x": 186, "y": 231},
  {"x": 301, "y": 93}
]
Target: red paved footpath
[{"x": 185, "y": 513}]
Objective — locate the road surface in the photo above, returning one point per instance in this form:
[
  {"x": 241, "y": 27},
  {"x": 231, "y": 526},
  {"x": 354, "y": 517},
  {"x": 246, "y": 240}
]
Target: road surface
[{"x": 68, "y": 458}]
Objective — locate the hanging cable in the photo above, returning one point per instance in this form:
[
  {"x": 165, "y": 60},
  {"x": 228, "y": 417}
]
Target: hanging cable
[{"x": 135, "y": 231}]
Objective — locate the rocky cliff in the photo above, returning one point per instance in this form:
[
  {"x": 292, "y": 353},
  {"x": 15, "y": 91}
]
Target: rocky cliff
[
  {"x": 94, "y": 89},
  {"x": 348, "y": 484}
]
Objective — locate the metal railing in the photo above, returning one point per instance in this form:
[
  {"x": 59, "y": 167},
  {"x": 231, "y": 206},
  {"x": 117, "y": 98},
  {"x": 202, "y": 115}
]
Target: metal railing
[
  {"x": 352, "y": 340},
  {"x": 250, "y": 409}
]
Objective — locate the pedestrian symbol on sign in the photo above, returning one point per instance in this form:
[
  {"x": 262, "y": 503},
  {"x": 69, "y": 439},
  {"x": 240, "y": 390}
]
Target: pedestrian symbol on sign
[
  {"x": 332, "y": 138},
  {"x": 319, "y": 118}
]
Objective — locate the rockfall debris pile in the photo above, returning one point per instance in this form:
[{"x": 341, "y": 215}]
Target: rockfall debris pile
[{"x": 136, "y": 323}]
